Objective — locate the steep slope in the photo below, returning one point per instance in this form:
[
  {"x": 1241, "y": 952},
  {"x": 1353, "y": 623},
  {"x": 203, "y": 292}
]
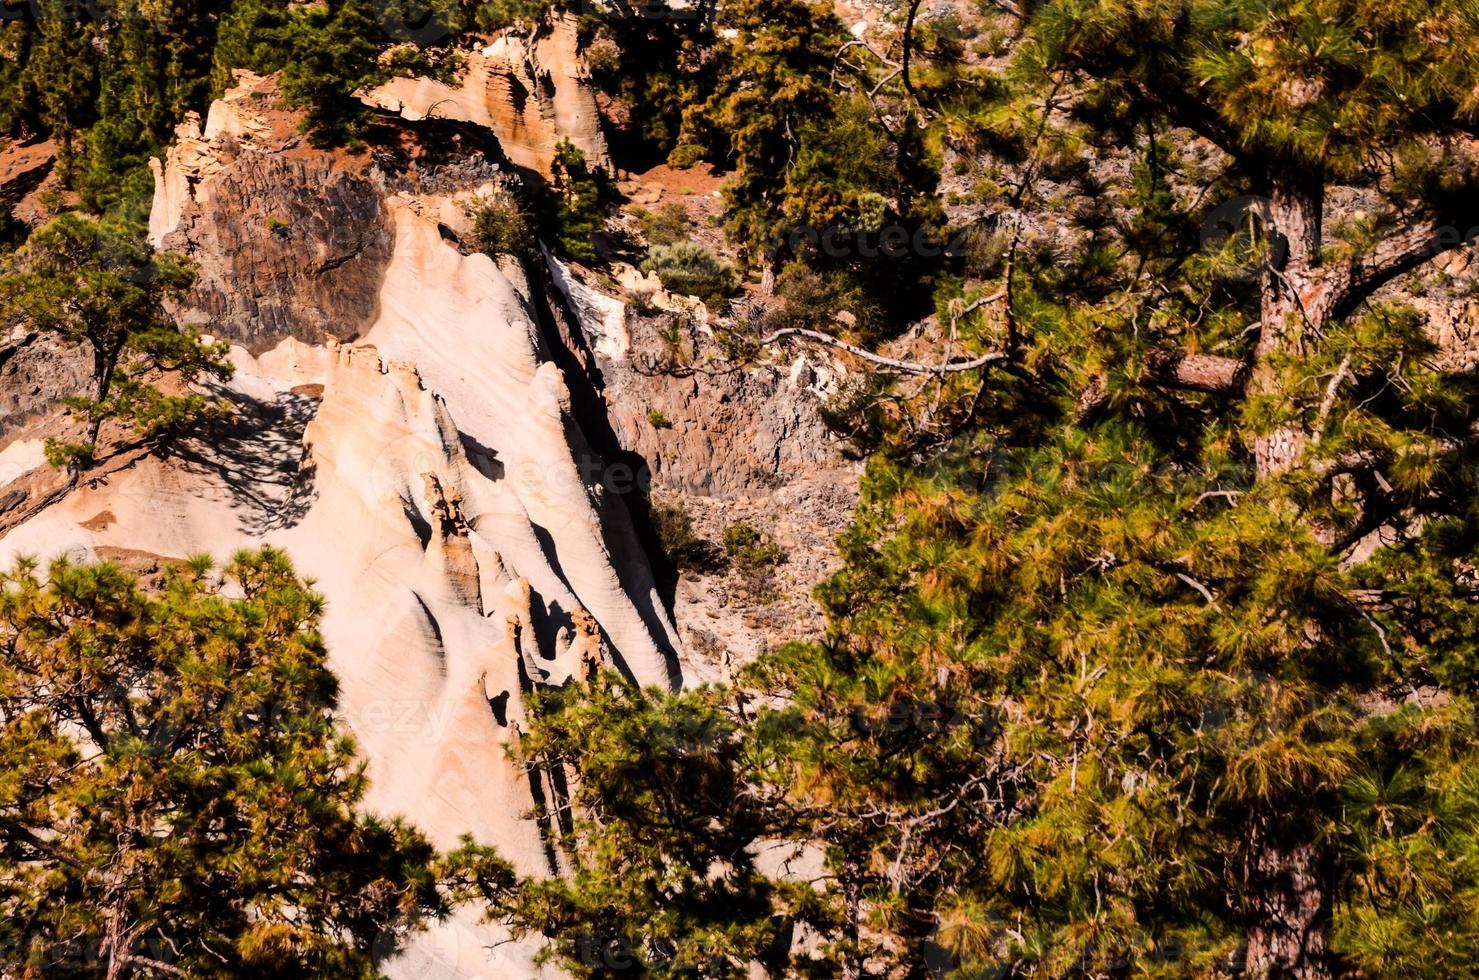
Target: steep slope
[{"x": 432, "y": 478}]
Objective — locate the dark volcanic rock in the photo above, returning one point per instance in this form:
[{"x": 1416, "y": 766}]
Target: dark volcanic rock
[{"x": 287, "y": 246}]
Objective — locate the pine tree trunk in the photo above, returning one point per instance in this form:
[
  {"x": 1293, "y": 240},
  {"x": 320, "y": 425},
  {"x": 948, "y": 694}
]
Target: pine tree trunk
[
  {"x": 1288, "y": 900},
  {"x": 852, "y": 897},
  {"x": 1286, "y": 876},
  {"x": 105, "y": 362},
  {"x": 1291, "y": 291}
]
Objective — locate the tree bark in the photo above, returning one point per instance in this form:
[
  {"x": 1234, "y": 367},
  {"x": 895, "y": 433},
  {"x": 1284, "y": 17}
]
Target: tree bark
[
  {"x": 1292, "y": 312},
  {"x": 1285, "y": 884},
  {"x": 1287, "y": 878},
  {"x": 105, "y": 362},
  {"x": 852, "y": 898}
]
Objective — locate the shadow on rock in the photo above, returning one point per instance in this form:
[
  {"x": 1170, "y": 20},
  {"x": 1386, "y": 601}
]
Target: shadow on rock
[{"x": 259, "y": 457}]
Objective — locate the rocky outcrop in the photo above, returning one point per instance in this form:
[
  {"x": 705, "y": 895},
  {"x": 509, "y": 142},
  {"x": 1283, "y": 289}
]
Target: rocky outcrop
[
  {"x": 412, "y": 424},
  {"x": 727, "y": 429},
  {"x": 724, "y": 443},
  {"x": 432, "y": 477},
  {"x": 290, "y": 241},
  {"x": 531, "y": 91},
  {"x": 433, "y": 481},
  {"x": 36, "y": 373}
]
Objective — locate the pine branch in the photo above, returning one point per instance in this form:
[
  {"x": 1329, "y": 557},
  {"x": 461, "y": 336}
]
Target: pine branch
[
  {"x": 1200, "y": 372},
  {"x": 909, "y": 49},
  {"x": 889, "y": 363},
  {"x": 153, "y": 964},
  {"x": 1353, "y": 282}
]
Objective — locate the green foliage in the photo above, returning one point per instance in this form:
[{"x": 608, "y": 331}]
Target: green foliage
[
  {"x": 653, "y": 58},
  {"x": 1127, "y": 673},
  {"x": 685, "y": 156},
  {"x": 658, "y": 419},
  {"x": 155, "y": 67},
  {"x": 499, "y": 226},
  {"x": 667, "y": 226},
  {"x": 499, "y": 15},
  {"x": 828, "y": 302},
  {"x": 818, "y": 175},
  {"x": 254, "y": 35},
  {"x": 750, "y": 549},
  {"x": 770, "y": 84},
  {"x": 679, "y": 541},
  {"x": 690, "y": 269},
  {"x": 1167, "y": 675},
  {"x": 110, "y": 82},
  {"x": 110, "y": 89},
  {"x": 333, "y": 49},
  {"x": 660, "y": 841},
  {"x": 94, "y": 282},
  {"x": 578, "y": 204},
  {"x": 176, "y": 790},
  {"x": 68, "y": 455}
]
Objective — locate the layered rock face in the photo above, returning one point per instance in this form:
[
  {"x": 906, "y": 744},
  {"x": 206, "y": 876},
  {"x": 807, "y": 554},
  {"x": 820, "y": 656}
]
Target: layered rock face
[
  {"x": 292, "y": 241},
  {"x": 530, "y": 91},
  {"x": 742, "y": 443}
]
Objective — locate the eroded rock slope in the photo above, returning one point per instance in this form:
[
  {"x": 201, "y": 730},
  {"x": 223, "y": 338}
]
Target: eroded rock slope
[{"x": 401, "y": 429}]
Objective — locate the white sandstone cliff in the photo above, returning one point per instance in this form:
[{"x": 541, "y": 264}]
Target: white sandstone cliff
[{"x": 433, "y": 480}]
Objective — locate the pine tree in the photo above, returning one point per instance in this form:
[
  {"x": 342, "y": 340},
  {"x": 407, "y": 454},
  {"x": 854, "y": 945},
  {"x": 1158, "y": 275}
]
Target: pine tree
[
  {"x": 94, "y": 282},
  {"x": 1193, "y": 575},
  {"x": 769, "y": 84},
  {"x": 647, "y": 800},
  {"x": 333, "y": 49},
  {"x": 177, "y": 800},
  {"x": 154, "y": 68},
  {"x": 578, "y": 203}
]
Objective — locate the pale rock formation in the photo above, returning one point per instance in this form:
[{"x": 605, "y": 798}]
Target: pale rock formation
[
  {"x": 405, "y": 433},
  {"x": 249, "y": 115},
  {"x": 432, "y": 478},
  {"x": 19, "y": 458},
  {"x": 291, "y": 241},
  {"x": 530, "y": 91},
  {"x": 603, "y": 317}
]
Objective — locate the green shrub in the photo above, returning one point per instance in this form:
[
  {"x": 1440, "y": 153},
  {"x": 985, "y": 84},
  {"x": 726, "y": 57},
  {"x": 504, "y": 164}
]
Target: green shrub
[
  {"x": 664, "y": 227},
  {"x": 674, "y": 527},
  {"x": 751, "y": 549},
  {"x": 658, "y": 419},
  {"x": 692, "y": 270},
  {"x": 811, "y": 300},
  {"x": 685, "y": 156},
  {"x": 499, "y": 226}
]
